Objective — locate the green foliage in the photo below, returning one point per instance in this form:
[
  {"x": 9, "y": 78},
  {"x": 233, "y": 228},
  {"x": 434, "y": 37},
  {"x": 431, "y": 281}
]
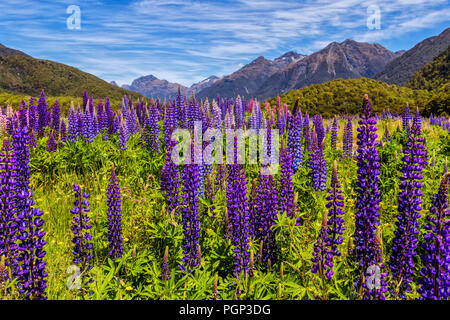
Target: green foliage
[
  {"x": 344, "y": 97},
  {"x": 434, "y": 74}
]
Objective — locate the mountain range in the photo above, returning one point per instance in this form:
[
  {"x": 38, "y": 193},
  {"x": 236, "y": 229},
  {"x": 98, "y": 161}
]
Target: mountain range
[
  {"x": 152, "y": 87},
  {"x": 261, "y": 78},
  {"x": 264, "y": 78}
]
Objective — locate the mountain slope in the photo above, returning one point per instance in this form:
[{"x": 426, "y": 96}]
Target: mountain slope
[
  {"x": 27, "y": 75},
  {"x": 248, "y": 79},
  {"x": 349, "y": 59},
  {"x": 401, "y": 69},
  {"x": 434, "y": 74},
  {"x": 6, "y": 52}
]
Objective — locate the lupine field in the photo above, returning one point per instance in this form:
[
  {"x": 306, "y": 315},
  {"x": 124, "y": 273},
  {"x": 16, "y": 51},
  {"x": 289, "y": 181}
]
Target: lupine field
[{"x": 93, "y": 207}]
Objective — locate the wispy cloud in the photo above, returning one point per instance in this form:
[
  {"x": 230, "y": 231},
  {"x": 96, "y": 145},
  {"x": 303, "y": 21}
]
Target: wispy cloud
[{"x": 187, "y": 40}]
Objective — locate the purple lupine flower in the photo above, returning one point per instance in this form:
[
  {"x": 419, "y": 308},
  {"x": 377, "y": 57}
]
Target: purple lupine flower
[
  {"x": 287, "y": 190},
  {"x": 80, "y": 227},
  {"x": 334, "y": 134},
  {"x": 55, "y": 117},
  {"x": 51, "y": 143},
  {"x": 72, "y": 130},
  {"x": 62, "y": 131},
  {"x": 165, "y": 271},
  {"x": 348, "y": 139},
  {"x": 170, "y": 122},
  {"x": 23, "y": 110},
  {"x": 405, "y": 236},
  {"x": 435, "y": 274},
  {"x": 319, "y": 129},
  {"x": 42, "y": 114},
  {"x": 189, "y": 213},
  {"x": 85, "y": 100},
  {"x": 334, "y": 229},
  {"x": 31, "y": 269},
  {"x": 33, "y": 116},
  {"x": 237, "y": 209},
  {"x": 114, "y": 217},
  {"x": 294, "y": 140},
  {"x": 317, "y": 164},
  {"x": 90, "y": 107},
  {"x": 123, "y": 137},
  {"x": 367, "y": 252},
  {"x": 335, "y": 221},
  {"x": 266, "y": 209},
  {"x": 151, "y": 129},
  {"x": 8, "y": 223},
  {"x": 386, "y": 136}
]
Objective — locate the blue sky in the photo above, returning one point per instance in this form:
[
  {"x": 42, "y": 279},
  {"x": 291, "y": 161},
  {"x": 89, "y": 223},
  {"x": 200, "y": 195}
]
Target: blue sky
[{"x": 186, "y": 41}]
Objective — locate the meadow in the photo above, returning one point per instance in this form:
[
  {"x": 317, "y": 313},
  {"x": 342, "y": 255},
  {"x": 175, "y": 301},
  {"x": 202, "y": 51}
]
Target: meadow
[{"x": 162, "y": 254}]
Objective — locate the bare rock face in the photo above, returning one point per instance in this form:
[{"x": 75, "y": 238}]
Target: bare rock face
[
  {"x": 349, "y": 59},
  {"x": 248, "y": 79}
]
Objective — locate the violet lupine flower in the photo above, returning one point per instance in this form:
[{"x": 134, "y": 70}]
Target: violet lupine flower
[
  {"x": 31, "y": 269},
  {"x": 165, "y": 271},
  {"x": 386, "y": 136},
  {"x": 8, "y": 223},
  {"x": 23, "y": 114},
  {"x": 31, "y": 274},
  {"x": 405, "y": 236},
  {"x": 321, "y": 258},
  {"x": 83, "y": 248},
  {"x": 294, "y": 140},
  {"x": 237, "y": 209},
  {"x": 266, "y": 209},
  {"x": 189, "y": 213},
  {"x": 367, "y": 252},
  {"x": 123, "y": 137},
  {"x": 435, "y": 274},
  {"x": 43, "y": 114},
  {"x": 348, "y": 139},
  {"x": 62, "y": 133},
  {"x": 85, "y": 100},
  {"x": 33, "y": 116},
  {"x": 317, "y": 164},
  {"x": 287, "y": 190},
  {"x": 151, "y": 129},
  {"x": 335, "y": 227},
  {"x": 318, "y": 125},
  {"x": 170, "y": 181},
  {"x": 72, "y": 130},
  {"x": 51, "y": 143},
  {"x": 334, "y": 134},
  {"x": 55, "y": 117},
  {"x": 114, "y": 217},
  {"x": 330, "y": 236}
]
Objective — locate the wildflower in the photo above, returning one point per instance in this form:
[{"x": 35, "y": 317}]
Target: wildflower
[
  {"x": 435, "y": 274},
  {"x": 82, "y": 250},
  {"x": 114, "y": 217},
  {"x": 165, "y": 272},
  {"x": 405, "y": 239}
]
